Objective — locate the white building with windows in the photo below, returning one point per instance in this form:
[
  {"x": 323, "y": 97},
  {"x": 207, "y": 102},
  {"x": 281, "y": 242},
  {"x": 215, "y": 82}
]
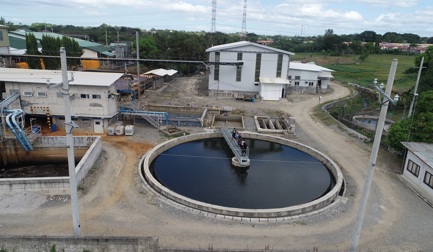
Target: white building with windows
[
  {"x": 248, "y": 68},
  {"x": 93, "y": 96},
  {"x": 308, "y": 77},
  {"x": 418, "y": 168}
]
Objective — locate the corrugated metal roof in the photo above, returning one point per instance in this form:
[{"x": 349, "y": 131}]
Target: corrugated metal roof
[
  {"x": 83, "y": 43},
  {"x": 161, "y": 72},
  {"x": 423, "y": 151},
  {"x": 312, "y": 67},
  {"x": 55, "y": 76},
  {"x": 308, "y": 67},
  {"x": 280, "y": 81},
  {"x": 243, "y": 44}
]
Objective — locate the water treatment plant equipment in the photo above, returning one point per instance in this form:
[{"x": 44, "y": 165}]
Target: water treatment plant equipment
[{"x": 269, "y": 169}]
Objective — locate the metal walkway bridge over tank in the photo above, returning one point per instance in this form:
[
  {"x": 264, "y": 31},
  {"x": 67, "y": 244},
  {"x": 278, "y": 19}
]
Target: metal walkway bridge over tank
[{"x": 240, "y": 160}]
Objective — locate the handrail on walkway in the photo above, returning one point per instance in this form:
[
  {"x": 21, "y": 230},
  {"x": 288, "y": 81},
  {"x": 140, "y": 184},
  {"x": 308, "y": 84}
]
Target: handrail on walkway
[{"x": 240, "y": 159}]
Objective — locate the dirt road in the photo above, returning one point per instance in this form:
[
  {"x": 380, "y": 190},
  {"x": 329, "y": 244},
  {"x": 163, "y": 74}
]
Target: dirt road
[{"x": 113, "y": 201}]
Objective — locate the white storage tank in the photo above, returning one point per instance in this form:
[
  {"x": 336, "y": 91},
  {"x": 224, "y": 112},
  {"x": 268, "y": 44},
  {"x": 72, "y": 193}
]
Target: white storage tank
[
  {"x": 129, "y": 130},
  {"x": 120, "y": 130},
  {"x": 110, "y": 130}
]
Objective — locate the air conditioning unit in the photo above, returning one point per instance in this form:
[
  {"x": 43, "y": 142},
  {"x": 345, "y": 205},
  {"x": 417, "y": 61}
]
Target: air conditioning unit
[
  {"x": 110, "y": 130},
  {"x": 129, "y": 130},
  {"x": 120, "y": 130}
]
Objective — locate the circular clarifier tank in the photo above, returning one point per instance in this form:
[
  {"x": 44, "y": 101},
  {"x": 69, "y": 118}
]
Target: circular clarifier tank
[{"x": 285, "y": 178}]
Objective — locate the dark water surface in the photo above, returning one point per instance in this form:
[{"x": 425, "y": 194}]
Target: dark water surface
[
  {"x": 35, "y": 171},
  {"x": 279, "y": 176}
]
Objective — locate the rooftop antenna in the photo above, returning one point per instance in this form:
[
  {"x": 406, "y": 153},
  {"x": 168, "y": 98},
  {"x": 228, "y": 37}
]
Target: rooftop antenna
[{"x": 213, "y": 16}]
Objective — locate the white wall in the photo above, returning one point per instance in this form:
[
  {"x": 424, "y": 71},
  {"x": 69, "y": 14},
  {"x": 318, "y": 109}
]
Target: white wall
[
  {"x": 89, "y": 54},
  {"x": 271, "y": 92},
  {"x": 305, "y": 76},
  {"x": 418, "y": 182},
  {"x": 227, "y": 77},
  {"x": 82, "y": 107}
]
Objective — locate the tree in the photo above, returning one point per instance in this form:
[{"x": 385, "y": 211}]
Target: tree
[
  {"x": 392, "y": 37},
  {"x": 148, "y": 47},
  {"x": 417, "y": 128},
  {"x": 73, "y": 49},
  {"x": 368, "y": 36},
  {"x": 51, "y": 47},
  {"x": 32, "y": 49}
]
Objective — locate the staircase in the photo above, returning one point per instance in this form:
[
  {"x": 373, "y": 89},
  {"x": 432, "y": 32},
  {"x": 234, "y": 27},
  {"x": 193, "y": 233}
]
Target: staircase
[
  {"x": 156, "y": 119},
  {"x": 239, "y": 159}
]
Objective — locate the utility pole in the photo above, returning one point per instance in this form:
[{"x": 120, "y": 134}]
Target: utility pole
[
  {"x": 70, "y": 143},
  {"x": 138, "y": 63},
  {"x": 373, "y": 156},
  {"x": 416, "y": 88}
]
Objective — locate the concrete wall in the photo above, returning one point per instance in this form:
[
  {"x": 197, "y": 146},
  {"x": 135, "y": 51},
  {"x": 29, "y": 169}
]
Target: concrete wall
[
  {"x": 309, "y": 207},
  {"x": 60, "y": 141},
  {"x": 87, "y": 101},
  {"x": 72, "y": 244},
  {"x": 50, "y": 184}
]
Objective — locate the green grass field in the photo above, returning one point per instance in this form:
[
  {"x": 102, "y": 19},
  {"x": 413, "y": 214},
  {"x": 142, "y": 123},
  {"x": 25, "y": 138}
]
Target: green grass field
[{"x": 348, "y": 69}]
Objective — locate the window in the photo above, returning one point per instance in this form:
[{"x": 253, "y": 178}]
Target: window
[
  {"x": 28, "y": 93},
  {"x": 216, "y": 74},
  {"x": 85, "y": 119},
  {"x": 84, "y": 96},
  {"x": 297, "y": 79},
  {"x": 413, "y": 168},
  {"x": 290, "y": 77},
  {"x": 96, "y": 96},
  {"x": 310, "y": 83},
  {"x": 428, "y": 179},
  {"x": 279, "y": 65},
  {"x": 239, "y": 56},
  {"x": 1, "y": 35},
  {"x": 258, "y": 65},
  {"x": 42, "y": 94},
  {"x": 109, "y": 95},
  {"x": 238, "y": 73}
]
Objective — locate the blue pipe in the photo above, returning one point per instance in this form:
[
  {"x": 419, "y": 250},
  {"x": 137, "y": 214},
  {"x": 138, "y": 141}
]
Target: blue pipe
[
  {"x": 16, "y": 129},
  {"x": 23, "y": 135},
  {"x": 127, "y": 91},
  {"x": 15, "y": 132}
]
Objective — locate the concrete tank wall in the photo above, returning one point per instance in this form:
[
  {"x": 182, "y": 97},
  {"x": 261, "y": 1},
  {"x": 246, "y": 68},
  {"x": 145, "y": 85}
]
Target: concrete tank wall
[
  {"x": 88, "y": 243},
  {"x": 302, "y": 209},
  {"x": 49, "y": 184}
]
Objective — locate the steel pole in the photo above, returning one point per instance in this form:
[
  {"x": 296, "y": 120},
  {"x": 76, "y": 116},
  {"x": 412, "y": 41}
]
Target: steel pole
[
  {"x": 373, "y": 157},
  {"x": 70, "y": 144},
  {"x": 138, "y": 62},
  {"x": 416, "y": 88}
]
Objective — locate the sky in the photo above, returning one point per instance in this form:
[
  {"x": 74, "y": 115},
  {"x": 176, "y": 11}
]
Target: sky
[{"x": 263, "y": 17}]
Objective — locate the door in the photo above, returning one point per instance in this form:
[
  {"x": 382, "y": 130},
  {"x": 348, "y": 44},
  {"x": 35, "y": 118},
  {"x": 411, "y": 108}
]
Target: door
[{"x": 98, "y": 126}]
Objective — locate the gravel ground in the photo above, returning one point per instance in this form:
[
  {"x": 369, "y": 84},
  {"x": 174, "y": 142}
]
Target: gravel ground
[{"x": 114, "y": 202}]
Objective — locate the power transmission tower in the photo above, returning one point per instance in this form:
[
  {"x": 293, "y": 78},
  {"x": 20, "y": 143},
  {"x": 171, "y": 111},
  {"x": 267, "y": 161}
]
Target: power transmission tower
[
  {"x": 213, "y": 16},
  {"x": 244, "y": 21}
]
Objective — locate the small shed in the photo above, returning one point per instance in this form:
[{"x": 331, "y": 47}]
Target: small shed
[{"x": 418, "y": 168}]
